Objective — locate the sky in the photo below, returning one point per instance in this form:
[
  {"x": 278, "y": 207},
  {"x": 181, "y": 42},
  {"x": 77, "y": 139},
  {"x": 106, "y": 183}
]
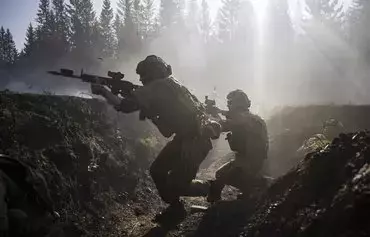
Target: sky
[{"x": 17, "y": 15}]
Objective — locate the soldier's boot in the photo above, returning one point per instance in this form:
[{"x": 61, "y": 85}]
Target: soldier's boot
[
  {"x": 198, "y": 188},
  {"x": 215, "y": 191},
  {"x": 172, "y": 215}
]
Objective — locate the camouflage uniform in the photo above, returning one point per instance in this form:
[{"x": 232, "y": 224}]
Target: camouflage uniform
[
  {"x": 248, "y": 139},
  {"x": 174, "y": 110},
  {"x": 331, "y": 129}
]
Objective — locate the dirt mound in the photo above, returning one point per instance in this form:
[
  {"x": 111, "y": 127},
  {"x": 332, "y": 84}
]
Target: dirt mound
[
  {"x": 95, "y": 162},
  {"x": 95, "y": 167},
  {"x": 290, "y": 126},
  {"x": 327, "y": 195}
]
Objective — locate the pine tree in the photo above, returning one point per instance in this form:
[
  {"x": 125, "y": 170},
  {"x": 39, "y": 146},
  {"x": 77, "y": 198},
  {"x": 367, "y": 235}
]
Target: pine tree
[
  {"x": 106, "y": 28},
  {"x": 279, "y": 26},
  {"x": 52, "y": 26},
  {"x": 328, "y": 13},
  {"x": 83, "y": 20},
  {"x": 124, "y": 9},
  {"x": 205, "y": 21},
  {"x": 9, "y": 49},
  {"x": 129, "y": 40},
  {"x": 29, "y": 45},
  {"x": 246, "y": 25},
  {"x": 43, "y": 12},
  {"x": 61, "y": 24},
  {"x": 148, "y": 21},
  {"x": 138, "y": 17},
  {"x": 2, "y": 45},
  {"x": 168, "y": 10},
  {"x": 193, "y": 16},
  {"x": 358, "y": 18},
  {"x": 43, "y": 20},
  {"x": 47, "y": 47},
  {"x": 118, "y": 28},
  {"x": 228, "y": 20},
  {"x": 180, "y": 13},
  {"x": 117, "y": 25}
]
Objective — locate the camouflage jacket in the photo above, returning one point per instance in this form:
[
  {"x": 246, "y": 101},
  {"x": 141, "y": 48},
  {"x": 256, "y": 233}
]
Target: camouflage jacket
[
  {"x": 314, "y": 143},
  {"x": 248, "y": 135},
  {"x": 171, "y": 107}
]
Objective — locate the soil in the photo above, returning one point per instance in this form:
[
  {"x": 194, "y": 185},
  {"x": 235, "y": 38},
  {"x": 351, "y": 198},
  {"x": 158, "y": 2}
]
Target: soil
[{"x": 95, "y": 162}]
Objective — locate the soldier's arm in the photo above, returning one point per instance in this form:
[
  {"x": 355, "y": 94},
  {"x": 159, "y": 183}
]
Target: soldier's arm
[
  {"x": 125, "y": 105},
  {"x": 225, "y": 125},
  {"x": 128, "y": 105}
]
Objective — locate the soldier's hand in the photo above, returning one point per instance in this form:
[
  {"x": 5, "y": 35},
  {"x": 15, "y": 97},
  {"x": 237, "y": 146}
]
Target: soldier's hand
[
  {"x": 213, "y": 130},
  {"x": 98, "y": 89},
  {"x": 228, "y": 136}
]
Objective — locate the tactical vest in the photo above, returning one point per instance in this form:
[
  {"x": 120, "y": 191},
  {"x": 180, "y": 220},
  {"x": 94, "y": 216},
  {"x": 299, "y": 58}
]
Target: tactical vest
[
  {"x": 248, "y": 136},
  {"x": 171, "y": 107}
]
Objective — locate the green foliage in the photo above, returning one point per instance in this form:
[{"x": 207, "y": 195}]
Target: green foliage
[
  {"x": 234, "y": 22},
  {"x": 205, "y": 21},
  {"x": 62, "y": 26},
  {"x": 83, "y": 21},
  {"x": 106, "y": 29},
  {"x": 168, "y": 12},
  {"x": 329, "y": 13},
  {"x": 8, "y": 51}
]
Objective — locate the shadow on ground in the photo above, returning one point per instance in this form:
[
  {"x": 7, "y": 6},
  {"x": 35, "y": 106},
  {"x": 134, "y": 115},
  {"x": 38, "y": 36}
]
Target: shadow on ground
[{"x": 225, "y": 218}]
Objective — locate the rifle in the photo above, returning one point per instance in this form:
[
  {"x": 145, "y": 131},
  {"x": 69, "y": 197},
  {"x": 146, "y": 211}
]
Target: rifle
[
  {"x": 212, "y": 109},
  {"x": 113, "y": 81}
]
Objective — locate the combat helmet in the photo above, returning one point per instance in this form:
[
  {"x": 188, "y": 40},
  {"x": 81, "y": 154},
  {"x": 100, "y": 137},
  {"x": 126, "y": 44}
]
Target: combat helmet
[
  {"x": 238, "y": 99},
  {"x": 153, "y": 67}
]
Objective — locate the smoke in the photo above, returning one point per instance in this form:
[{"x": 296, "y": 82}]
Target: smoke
[
  {"x": 39, "y": 82},
  {"x": 274, "y": 63}
]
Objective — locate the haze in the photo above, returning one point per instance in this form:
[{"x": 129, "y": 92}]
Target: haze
[{"x": 280, "y": 52}]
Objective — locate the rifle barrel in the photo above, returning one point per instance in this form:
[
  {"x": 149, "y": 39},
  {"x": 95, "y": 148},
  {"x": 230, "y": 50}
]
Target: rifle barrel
[{"x": 63, "y": 75}]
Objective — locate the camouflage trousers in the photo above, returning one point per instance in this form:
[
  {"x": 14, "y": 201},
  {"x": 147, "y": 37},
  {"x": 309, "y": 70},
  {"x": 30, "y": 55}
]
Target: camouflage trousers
[
  {"x": 239, "y": 173},
  {"x": 175, "y": 168}
]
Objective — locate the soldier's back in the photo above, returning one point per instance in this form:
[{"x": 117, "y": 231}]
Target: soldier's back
[{"x": 171, "y": 102}]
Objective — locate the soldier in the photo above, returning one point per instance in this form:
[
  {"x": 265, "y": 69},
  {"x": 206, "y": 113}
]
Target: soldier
[
  {"x": 248, "y": 139},
  {"x": 211, "y": 109},
  {"x": 174, "y": 110},
  {"x": 331, "y": 129}
]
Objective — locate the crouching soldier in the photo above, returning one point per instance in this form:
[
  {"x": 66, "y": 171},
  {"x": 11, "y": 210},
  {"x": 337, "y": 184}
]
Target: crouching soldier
[{"x": 248, "y": 140}]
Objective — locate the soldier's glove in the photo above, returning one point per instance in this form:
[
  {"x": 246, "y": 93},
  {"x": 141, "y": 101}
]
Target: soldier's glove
[
  {"x": 228, "y": 136},
  {"x": 213, "y": 130},
  {"x": 98, "y": 89}
]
